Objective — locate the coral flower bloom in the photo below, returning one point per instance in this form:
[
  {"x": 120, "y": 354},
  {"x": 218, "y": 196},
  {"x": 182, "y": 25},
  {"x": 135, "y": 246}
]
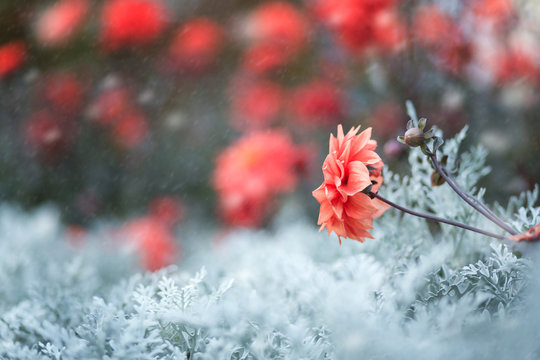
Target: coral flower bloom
[{"x": 351, "y": 167}]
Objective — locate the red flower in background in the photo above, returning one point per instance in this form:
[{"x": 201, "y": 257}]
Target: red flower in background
[
  {"x": 131, "y": 129},
  {"x": 351, "y": 167},
  {"x": 349, "y": 19},
  {"x": 153, "y": 240},
  {"x": 264, "y": 58},
  {"x": 111, "y": 105},
  {"x": 317, "y": 103},
  {"x": 277, "y": 32},
  {"x": 60, "y": 22},
  {"x": 12, "y": 56},
  {"x": 167, "y": 209},
  {"x": 496, "y": 11},
  {"x": 251, "y": 172},
  {"x": 439, "y": 33},
  {"x": 49, "y": 135},
  {"x": 432, "y": 26},
  {"x": 196, "y": 45},
  {"x": 115, "y": 109},
  {"x": 389, "y": 30},
  {"x": 75, "y": 236},
  {"x": 278, "y": 22},
  {"x": 127, "y": 24},
  {"x": 255, "y": 104},
  {"x": 516, "y": 64},
  {"x": 359, "y": 24},
  {"x": 64, "y": 91}
]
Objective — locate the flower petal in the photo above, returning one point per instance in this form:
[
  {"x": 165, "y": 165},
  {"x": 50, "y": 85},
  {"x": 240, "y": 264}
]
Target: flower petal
[{"x": 358, "y": 179}]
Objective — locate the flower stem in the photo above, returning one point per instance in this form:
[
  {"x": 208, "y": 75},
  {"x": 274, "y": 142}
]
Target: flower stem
[
  {"x": 436, "y": 218},
  {"x": 469, "y": 199}
]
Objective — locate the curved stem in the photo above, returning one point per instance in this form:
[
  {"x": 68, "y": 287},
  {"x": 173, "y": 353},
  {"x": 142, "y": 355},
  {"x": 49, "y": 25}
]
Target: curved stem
[
  {"x": 469, "y": 199},
  {"x": 436, "y": 218}
]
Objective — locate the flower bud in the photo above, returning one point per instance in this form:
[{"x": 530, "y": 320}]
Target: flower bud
[
  {"x": 437, "y": 179},
  {"x": 414, "y": 137}
]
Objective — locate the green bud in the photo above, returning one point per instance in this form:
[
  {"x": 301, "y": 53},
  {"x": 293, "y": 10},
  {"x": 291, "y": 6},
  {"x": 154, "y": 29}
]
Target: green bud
[{"x": 414, "y": 137}]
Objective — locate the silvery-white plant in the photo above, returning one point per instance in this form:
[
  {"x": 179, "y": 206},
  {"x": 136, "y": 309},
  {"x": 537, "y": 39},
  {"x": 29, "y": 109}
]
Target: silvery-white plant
[{"x": 287, "y": 292}]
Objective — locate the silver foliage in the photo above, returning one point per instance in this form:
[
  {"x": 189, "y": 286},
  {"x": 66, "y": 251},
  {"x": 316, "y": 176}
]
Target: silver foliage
[{"x": 418, "y": 290}]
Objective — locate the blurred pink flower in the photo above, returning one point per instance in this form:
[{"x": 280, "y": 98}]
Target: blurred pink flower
[
  {"x": 61, "y": 21},
  {"x": 196, "y": 44}
]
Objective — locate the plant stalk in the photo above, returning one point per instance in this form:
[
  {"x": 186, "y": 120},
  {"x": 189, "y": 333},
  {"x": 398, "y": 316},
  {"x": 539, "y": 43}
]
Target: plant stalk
[
  {"x": 436, "y": 218},
  {"x": 469, "y": 199}
]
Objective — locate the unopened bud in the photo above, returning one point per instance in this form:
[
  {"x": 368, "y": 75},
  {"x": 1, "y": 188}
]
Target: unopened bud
[
  {"x": 437, "y": 179},
  {"x": 414, "y": 137}
]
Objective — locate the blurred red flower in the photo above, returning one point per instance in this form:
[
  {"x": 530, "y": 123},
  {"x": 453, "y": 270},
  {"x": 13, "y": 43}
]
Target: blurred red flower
[
  {"x": 61, "y": 21},
  {"x": 75, "y": 236},
  {"x": 432, "y": 26},
  {"x": 277, "y": 32},
  {"x": 264, "y": 58},
  {"x": 440, "y": 34},
  {"x": 127, "y": 24},
  {"x": 359, "y": 24},
  {"x": 110, "y": 105},
  {"x": 251, "y": 172},
  {"x": 496, "y": 11},
  {"x": 351, "y": 167},
  {"x": 317, "y": 103},
  {"x": 64, "y": 91},
  {"x": 516, "y": 64},
  {"x": 167, "y": 209},
  {"x": 278, "y": 22},
  {"x": 389, "y": 31},
  {"x": 12, "y": 56},
  {"x": 196, "y": 44},
  {"x": 255, "y": 104},
  {"x": 131, "y": 129},
  {"x": 49, "y": 135},
  {"x": 153, "y": 241}
]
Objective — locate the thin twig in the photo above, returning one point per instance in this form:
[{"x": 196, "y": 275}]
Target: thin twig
[
  {"x": 467, "y": 198},
  {"x": 436, "y": 218}
]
